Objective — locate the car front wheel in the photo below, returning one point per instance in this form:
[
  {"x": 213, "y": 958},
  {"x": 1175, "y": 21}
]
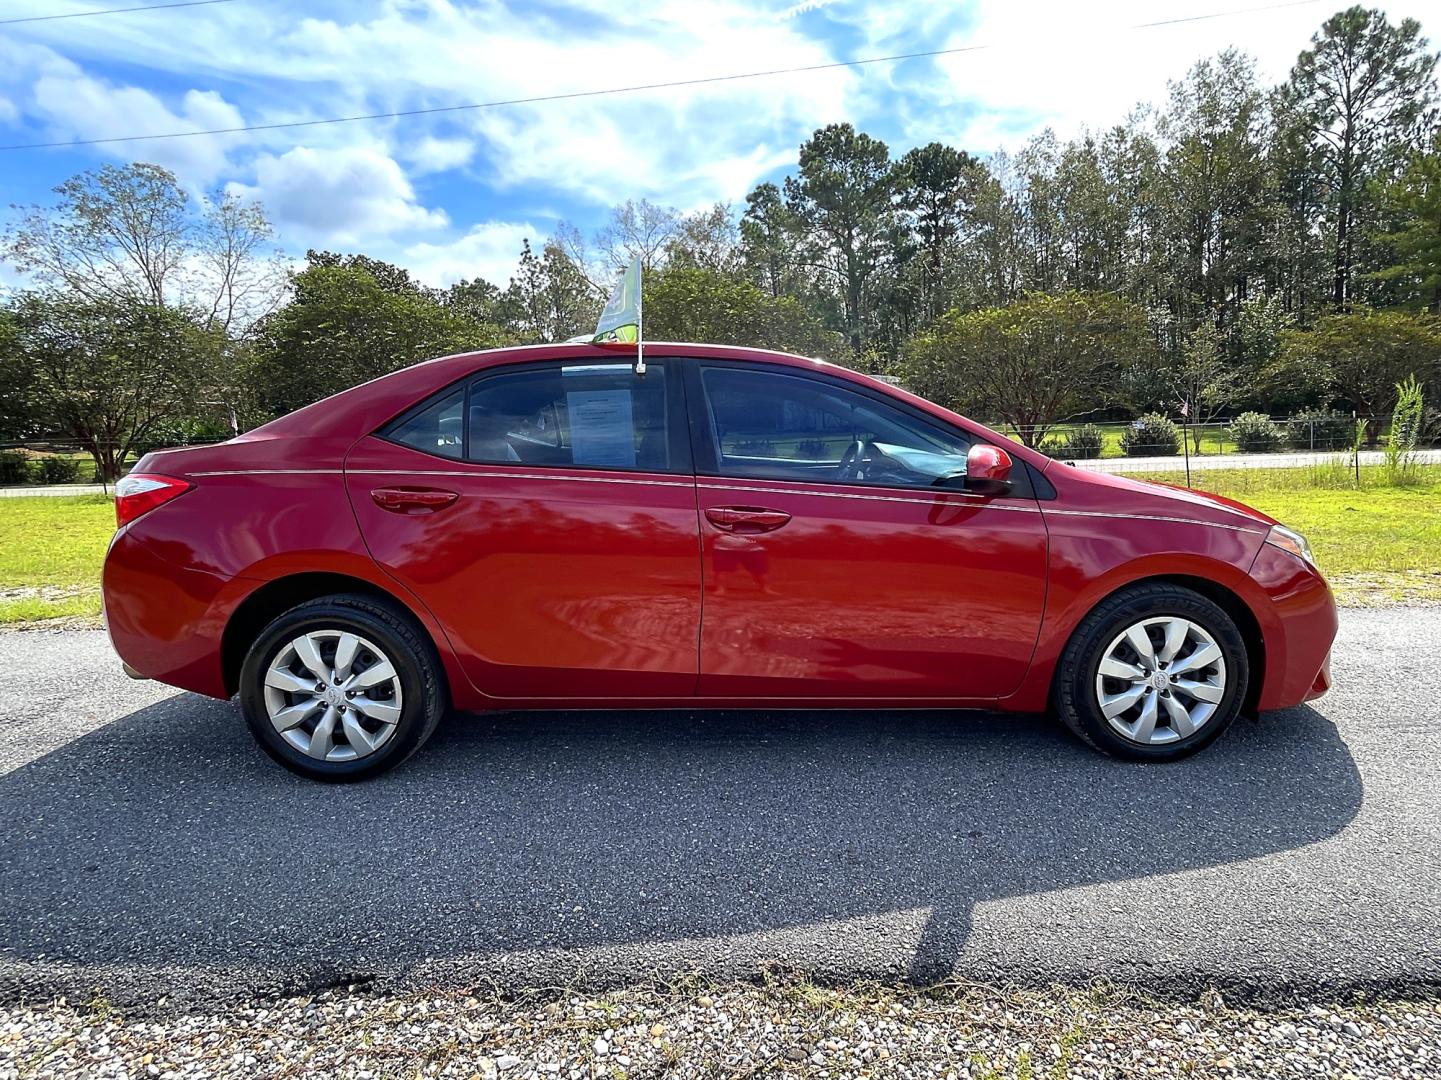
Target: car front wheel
[
  {"x": 1154, "y": 673},
  {"x": 341, "y": 688}
]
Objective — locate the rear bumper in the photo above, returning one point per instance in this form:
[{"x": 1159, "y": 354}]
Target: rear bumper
[{"x": 164, "y": 621}]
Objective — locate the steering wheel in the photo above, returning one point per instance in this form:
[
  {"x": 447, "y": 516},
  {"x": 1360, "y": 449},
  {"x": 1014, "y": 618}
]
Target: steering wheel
[{"x": 846, "y": 470}]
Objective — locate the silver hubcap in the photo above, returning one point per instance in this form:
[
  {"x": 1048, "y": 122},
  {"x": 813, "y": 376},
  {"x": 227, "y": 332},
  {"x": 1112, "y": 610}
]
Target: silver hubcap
[
  {"x": 1160, "y": 680},
  {"x": 333, "y": 695}
]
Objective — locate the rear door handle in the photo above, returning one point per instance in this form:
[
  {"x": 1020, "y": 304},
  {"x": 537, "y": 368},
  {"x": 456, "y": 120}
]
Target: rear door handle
[
  {"x": 746, "y": 519},
  {"x": 413, "y": 500}
]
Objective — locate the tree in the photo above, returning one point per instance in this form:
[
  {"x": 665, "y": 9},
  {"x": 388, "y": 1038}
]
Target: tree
[
  {"x": 393, "y": 279},
  {"x": 939, "y": 196},
  {"x": 1363, "y": 88},
  {"x": 770, "y": 237},
  {"x": 108, "y": 372},
  {"x": 1033, "y": 363},
  {"x": 692, "y": 304},
  {"x": 233, "y": 255},
  {"x": 1414, "y": 200},
  {"x": 637, "y": 229},
  {"x": 844, "y": 198},
  {"x": 1203, "y": 379},
  {"x": 706, "y": 240},
  {"x": 130, "y": 234},
  {"x": 1255, "y": 344},
  {"x": 343, "y": 328},
  {"x": 119, "y": 234},
  {"x": 1217, "y": 197},
  {"x": 1361, "y": 356},
  {"x": 478, "y": 299},
  {"x": 550, "y": 298},
  {"x": 16, "y": 406}
]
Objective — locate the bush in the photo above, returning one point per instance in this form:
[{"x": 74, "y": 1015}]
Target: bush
[
  {"x": 1151, "y": 435},
  {"x": 1085, "y": 442},
  {"x": 1321, "y": 429},
  {"x": 1254, "y": 433},
  {"x": 14, "y": 467},
  {"x": 51, "y": 469}
]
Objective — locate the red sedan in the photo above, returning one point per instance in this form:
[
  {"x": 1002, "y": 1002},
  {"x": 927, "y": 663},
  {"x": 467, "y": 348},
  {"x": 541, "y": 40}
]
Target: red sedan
[{"x": 544, "y": 528}]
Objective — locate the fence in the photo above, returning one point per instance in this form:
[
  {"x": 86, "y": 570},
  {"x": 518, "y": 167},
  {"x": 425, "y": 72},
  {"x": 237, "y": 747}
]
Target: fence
[{"x": 54, "y": 460}]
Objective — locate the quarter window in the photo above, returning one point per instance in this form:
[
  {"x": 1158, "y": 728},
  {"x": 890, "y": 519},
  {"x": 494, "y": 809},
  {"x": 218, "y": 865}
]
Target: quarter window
[
  {"x": 787, "y": 427},
  {"x": 435, "y": 429}
]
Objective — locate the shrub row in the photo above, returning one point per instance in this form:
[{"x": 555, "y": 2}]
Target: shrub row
[
  {"x": 1155, "y": 435},
  {"x": 21, "y": 468}
]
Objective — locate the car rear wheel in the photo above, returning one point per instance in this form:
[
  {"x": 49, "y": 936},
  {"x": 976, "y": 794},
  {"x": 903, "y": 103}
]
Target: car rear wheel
[
  {"x": 341, "y": 688},
  {"x": 1154, "y": 673}
]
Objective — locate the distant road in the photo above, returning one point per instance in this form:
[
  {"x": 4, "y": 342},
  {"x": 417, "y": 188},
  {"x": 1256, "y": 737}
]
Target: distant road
[{"x": 53, "y": 489}]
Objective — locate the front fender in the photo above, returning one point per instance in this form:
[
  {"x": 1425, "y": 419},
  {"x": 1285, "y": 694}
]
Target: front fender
[{"x": 1094, "y": 555}]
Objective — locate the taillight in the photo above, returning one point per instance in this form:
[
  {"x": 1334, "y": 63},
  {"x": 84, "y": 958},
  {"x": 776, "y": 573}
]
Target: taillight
[{"x": 139, "y": 493}]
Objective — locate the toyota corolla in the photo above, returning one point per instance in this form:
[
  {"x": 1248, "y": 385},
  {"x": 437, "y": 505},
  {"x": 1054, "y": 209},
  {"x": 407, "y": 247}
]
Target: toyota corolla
[{"x": 542, "y": 527}]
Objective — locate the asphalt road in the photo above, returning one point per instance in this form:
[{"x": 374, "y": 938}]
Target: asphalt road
[{"x": 148, "y": 849}]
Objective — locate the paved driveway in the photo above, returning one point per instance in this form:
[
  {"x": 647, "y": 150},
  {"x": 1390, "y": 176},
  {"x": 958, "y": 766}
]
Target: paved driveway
[{"x": 149, "y": 849}]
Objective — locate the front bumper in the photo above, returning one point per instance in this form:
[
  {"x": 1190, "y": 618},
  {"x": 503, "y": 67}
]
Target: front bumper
[{"x": 1298, "y": 644}]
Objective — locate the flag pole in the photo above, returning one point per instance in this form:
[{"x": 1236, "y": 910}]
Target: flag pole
[
  {"x": 1186, "y": 439},
  {"x": 640, "y": 321}
]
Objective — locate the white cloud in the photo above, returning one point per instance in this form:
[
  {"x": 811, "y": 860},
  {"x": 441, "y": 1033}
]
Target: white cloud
[
  {"x": 9, "y": 113},
  {"x": 432, "y": 155},
  {"x": 489, "y": 250},
  {"x": 345, "y": 195},
  {"x": 674, "y": 145},
  {"x": 78, "y": 106}
]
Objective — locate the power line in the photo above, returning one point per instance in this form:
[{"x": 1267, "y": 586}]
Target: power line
[
  {"x": 607, "y": 92},
  {"x": 112, "y": 11}
]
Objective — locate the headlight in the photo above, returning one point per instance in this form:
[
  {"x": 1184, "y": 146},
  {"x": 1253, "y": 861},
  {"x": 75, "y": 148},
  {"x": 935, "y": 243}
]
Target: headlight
[{"x": 1292, "y": 541}]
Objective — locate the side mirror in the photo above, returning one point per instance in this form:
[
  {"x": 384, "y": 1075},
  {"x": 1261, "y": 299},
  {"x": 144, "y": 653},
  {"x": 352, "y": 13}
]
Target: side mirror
[{"x": 988, "y": 470}]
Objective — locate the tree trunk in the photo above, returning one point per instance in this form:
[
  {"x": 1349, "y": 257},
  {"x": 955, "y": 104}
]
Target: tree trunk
[{"x": 1342, "y": 287}]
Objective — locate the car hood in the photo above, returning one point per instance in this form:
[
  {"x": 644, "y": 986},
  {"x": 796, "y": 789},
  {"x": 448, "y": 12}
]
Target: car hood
[{"x": 1126, "y": 495}]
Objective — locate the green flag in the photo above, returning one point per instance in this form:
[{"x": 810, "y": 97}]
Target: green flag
[{"x": 620, "y": 321}]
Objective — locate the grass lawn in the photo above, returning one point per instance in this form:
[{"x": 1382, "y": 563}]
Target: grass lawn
[
  {"x": 50, "y": 555},
  {"x": 1377, "y": 544}
]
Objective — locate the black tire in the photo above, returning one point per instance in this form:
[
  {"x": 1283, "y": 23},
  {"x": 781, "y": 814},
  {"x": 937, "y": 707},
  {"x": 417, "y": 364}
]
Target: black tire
[
  {"x": 397, "y": 636},
  {"x": 1074, "y": 688}
]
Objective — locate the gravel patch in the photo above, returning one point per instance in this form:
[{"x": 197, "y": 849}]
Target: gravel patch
[{"x": 779, "y": 1027}]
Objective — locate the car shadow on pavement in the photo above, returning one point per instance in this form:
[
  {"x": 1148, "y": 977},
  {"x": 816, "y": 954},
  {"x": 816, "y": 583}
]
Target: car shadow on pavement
[{"x": 165, "y": 839}]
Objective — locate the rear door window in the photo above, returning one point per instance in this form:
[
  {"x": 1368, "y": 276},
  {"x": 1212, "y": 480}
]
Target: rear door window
[{"x": 599, "y": 416}]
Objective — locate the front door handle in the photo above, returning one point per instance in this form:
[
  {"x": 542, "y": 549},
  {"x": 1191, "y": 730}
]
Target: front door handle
[
  {"x": 413, "y": 500},
  {"x": 746, "y": 519}
]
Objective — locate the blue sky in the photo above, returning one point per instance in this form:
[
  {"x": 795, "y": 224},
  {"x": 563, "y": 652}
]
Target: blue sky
[{"x": 453, "y": 195}]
